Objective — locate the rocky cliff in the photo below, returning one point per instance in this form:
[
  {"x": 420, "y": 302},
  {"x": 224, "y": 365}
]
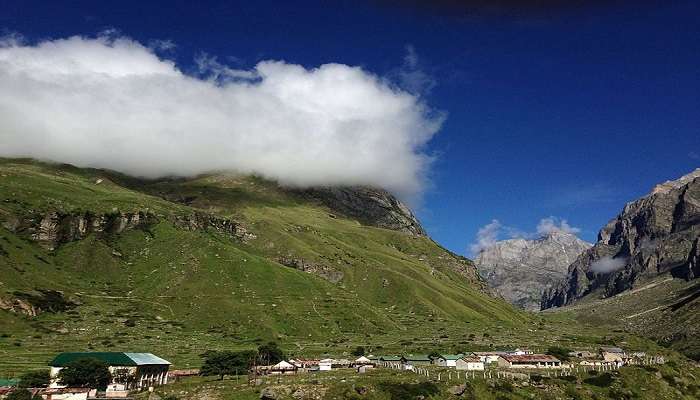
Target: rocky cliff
[
  {"x": 521, "y": 269},
  {"x": 657, "y": 234},
  {"x": 373, "y": 207}
]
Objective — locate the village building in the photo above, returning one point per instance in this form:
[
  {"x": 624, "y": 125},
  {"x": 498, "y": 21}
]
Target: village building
[
  {"x": 362, "y": 360},
  {"x": 142, "y": 370},
  {"x": 282, "y": 368},
  {"x": 488, "y": 357},
  {"x": 583, "y": 354},
  {"x": 534, "y": 361},
  {"x": 325, "y": 364},
  {"x": 447, "y": 360},
  {"x": 305, "y": 364},
  {"x": 416, "y": 360},
  {"x": 341, "y": 363},
  {"x": 612, "y": 354},
  {"x": 68, "y": 393},
  {"x": 469, "y": 363},
  {"x": 521, "y": 352}
]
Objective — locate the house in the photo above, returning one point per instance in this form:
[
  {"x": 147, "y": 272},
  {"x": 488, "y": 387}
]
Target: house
[
  {"x": 447, "y": 360},
  {"x": 341, "y": 363},
  {"x": 582, "y": 354},
  {"x": 325, "y": 364},
  {"x": 68, "y": 393},
  {"x": 362, "y": 361},
  {"x": 488, "y": 357},
  {"x": 469, "y": 363},
  {"x": 282, "y": 368},
  {"x": 612, "y": 354},
  {"x": 306, "y": 364},
  {"x": 533, "y": 361},
  {"x": 416, "y": 360},
  {"x": 129, "y": 370},
  {"x": 521, "y": 352}
]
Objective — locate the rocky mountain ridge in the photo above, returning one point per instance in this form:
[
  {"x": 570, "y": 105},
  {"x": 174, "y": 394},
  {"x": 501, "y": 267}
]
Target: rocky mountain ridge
[
  {"x": 654, "y": 235},
  {"x": 521, "y": 269}
]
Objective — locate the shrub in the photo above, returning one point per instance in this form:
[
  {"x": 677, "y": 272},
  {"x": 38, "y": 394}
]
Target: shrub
[
  {"x": 602, "y": 380},
  {"x": 34, "y": 379},
  {"x": 359, "y": 351},
  {"x": 85, "y": 372},
  {"x": 559, "y": 352}
]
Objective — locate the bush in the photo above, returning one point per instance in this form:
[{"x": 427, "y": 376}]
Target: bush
[
  {"x": 602, "y": 380},
  {"x": 222, "y": 363},
  {"x": 559, "y": 352},
  {"x": 19, "y": 394},
  {"x": 85, "y": 372},
  {"x": 359, "y": 351},
  {"x": 34, "y": 379}
]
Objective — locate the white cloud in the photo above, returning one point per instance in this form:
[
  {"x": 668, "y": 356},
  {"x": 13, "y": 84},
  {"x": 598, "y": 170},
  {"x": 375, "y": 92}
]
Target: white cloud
[
  {"x": 489, "y": 234},
  {"x": 112, "y": 102},
  {"x": 553, "y": 224},
  {"x": 607, "y": 265},
  {"x": 486, "y": 237}
]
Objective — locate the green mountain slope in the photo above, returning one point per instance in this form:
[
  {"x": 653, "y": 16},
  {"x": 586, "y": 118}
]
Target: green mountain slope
[{"x": 90, "y": 259}]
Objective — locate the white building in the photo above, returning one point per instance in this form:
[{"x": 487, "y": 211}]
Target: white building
[
  {"x": 469, "y": 363},
  {"x": 325, "y": 364},
  {"x": 283, "y": 368},
  {"x": 447, "y": 360},
  {"x": 129, "y": 370},
  {"x": 530, "y": 361},
  {"x": 488, "y": 357},
  {"x": 521, "y": 352}
]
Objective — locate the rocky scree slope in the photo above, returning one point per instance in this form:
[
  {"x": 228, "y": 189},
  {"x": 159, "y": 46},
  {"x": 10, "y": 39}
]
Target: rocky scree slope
[
  {"x": 657, "y": 234},
  {"x": 521, "y": 269}
]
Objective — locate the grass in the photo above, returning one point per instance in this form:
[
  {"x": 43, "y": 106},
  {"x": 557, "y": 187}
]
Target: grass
[{"x": 154, "y": 289}]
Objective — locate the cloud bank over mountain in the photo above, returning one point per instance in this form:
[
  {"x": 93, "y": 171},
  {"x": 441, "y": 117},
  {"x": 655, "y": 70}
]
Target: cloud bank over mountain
[
  {"x": 112, "y": 102},
  {"x": 489, "y": 234}
]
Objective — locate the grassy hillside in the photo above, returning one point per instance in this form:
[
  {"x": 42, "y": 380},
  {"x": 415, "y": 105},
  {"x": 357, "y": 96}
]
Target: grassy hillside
[
  {"x": 663, "y": 308},
  {"x": 177, "y": 292}
]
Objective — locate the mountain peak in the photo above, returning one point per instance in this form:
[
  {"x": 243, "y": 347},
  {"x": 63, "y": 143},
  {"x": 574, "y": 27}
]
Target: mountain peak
[{"x": 520, "y": 269}]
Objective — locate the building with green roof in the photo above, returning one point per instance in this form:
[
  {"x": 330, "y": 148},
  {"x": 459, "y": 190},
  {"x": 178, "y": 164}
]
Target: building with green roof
[
  {"x": 145, "y": 369},
  {"x": 447, "y": 360}
]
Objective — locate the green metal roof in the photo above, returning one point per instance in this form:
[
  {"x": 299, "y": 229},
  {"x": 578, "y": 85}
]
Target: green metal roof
[
  {"x": 451, "y": 356},
  {"x": 390, "y": 358},
  {"x": 110, "y": 358},
  {"x": 9, "y": 382},
  {"x": 417, "y": 357}
]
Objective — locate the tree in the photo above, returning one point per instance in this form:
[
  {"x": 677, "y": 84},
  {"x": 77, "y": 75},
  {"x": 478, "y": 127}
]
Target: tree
[
  {"x": 270, "y": 354},
  {"x": 559, "y": 352},
  {"x": 222, "y": 363},
  {"x": 34, "y": 379},
  {"x": 85, "y": 372},
  {"x": 359, "y": 351}
]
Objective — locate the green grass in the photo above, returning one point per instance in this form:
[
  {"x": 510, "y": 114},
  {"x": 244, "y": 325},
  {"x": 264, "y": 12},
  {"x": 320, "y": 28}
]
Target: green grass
[
  {"x": 156, "y": 289},
  {"x": 383, "y": 384}
]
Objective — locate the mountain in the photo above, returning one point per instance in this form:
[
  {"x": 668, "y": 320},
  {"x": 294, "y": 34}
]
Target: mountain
[
  {"x": 646, "y": 261},
  {"x": 521, "y": 269},
  {"x": 92, "y": 259}
]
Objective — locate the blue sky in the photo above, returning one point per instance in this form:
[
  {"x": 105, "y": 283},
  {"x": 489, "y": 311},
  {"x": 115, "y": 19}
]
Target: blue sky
[{"x": 567, "y": 113}]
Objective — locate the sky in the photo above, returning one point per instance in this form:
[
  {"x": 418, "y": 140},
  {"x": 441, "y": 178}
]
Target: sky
[{"x": 492, "y": 121}]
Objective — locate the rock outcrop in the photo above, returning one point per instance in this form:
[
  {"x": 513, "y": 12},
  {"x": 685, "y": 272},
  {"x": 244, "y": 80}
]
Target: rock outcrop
[
  {"x": 53, "y": 228},
  {"x": 657, "y": 234},
  {"x": 521, "y": 269},
  {"x": 373, "y": 207}
]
